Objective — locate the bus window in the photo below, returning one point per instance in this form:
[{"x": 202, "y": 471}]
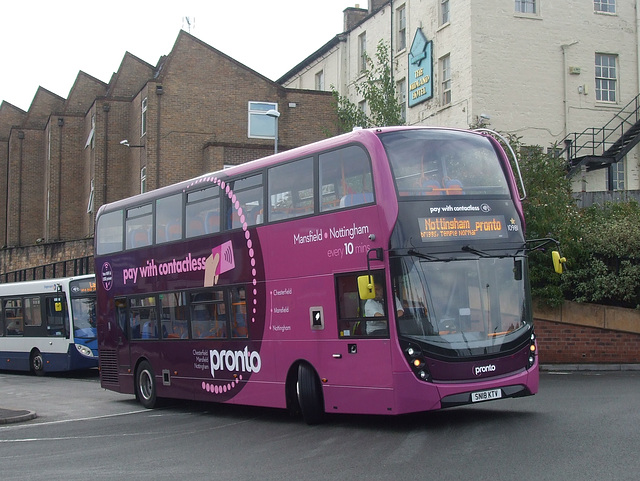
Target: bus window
[
  {"x": 350, "y": 321},
  {"x": 142, "y": 316},
  {"x": 169, "y": 218},
  {"x": 13, "y": 317},
  {"x": 208, "y": 315},
  {"x": 239, "y": 327},
  {"x": 32, "y": 312},
  {"x": 444, "y": 163},
  {"x": 291, "y": 190},
  {"x": 345, "y": 178},
  {"x": 174, "y": 313},
  {"x": 249, "y": 196},
  {"x": 138, "y": 226},
  {"x": 203, "y": 211},
  {"x": 109, "y": 232},
  {"x": 57, "y": 316}
]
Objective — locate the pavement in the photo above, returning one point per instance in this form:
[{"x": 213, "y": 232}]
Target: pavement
[{"x": 8, "y": 416}]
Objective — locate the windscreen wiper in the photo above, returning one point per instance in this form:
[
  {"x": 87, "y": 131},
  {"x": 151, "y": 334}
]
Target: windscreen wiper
[
  {"x": 413, "y": 252},
  {"x": 468, "y": 248}
]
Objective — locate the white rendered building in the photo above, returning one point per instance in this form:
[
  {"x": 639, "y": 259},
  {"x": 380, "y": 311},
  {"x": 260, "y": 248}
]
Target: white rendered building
[{"x": 545, "y": 70}]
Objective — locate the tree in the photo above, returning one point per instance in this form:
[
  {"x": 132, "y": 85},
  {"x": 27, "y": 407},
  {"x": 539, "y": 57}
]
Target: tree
[{"x": 377, "y": 90}]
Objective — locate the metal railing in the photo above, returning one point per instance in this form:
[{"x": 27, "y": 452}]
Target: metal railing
[
  {"x": 68, "y": 268},
  {"x": 597, "y": 141}
]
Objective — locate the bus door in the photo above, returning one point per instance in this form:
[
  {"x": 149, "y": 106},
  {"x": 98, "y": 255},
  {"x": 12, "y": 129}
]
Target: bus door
[
  {"x": 361, "y": 357},
  {"x": 56, "y": 317},
  {"x": 34, "y": 325},
  {"x": 122, "y": 336}
]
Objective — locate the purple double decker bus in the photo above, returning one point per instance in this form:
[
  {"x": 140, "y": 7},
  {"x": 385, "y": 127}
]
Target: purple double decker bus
[{"x": 382, "y": 271}]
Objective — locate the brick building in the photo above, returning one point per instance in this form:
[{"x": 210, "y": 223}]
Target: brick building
[{"x": 196, "y": 111}]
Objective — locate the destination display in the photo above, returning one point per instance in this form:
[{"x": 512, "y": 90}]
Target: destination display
[
  {"x": 83, "y": 286},
  {"x": 462, "y": 227}
]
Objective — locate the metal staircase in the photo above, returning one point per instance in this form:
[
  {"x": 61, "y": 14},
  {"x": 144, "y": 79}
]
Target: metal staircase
[{"x": 599, "y": 148}]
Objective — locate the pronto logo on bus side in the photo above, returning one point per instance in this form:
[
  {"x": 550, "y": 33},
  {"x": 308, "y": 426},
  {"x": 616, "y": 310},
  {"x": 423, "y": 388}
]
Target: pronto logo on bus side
[
  {"x": 234, "y": 361},
  {"x": 484, "y": 369}
]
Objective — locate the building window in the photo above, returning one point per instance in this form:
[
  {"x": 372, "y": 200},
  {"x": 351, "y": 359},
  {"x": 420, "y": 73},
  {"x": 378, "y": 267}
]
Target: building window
[
  {"x": 320, "y": 80},
  {"x": 605, "y": 78},
  {"x": 90, "y": 203},
  {"x": 444, "y": 12},
  {"x": 402, "y": 27},
  {"x": 604, "y": 6},
  {"x": 402, "y": 98},
  {"x": 262, "y": 126},
  {"x": 445, "y": 83},
  {"x": 526, "y": 6},
  {"x": 143, "y": 180},
  {"x": 362, "y": 52},
  {"x": 143, "y": 118},
  {"x": 362, "y": 106},
  {"x": 617, "y": 175},
  {"x": 91, "y": 139}
]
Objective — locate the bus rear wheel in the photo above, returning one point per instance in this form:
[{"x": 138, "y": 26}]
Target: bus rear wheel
[
  {"x": 36, "y": 363},
  {"x": 146, "y": 385},
  {"x": 309, "y": 393}
]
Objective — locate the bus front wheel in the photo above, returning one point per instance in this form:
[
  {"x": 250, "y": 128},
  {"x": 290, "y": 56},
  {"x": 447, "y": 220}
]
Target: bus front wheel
[
  {"x": 309, "y": 392},
  {"x": 36, "y": 362},
  {"x": 146, "y": 385}
]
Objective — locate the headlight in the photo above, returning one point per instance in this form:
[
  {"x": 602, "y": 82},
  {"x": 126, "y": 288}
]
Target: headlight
[
  {"x": 84, "y": 350},
  {"x": 417, "y": 361}
]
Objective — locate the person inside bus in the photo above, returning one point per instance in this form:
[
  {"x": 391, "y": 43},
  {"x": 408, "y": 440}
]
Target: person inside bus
[
  {"x": 135, "y": 325},
  {"x": 375, "y": 308}
]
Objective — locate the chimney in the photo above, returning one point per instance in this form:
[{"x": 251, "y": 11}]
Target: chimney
[
  {"x": 353, "y": 16},
  {"x": 375, "y": 5}
]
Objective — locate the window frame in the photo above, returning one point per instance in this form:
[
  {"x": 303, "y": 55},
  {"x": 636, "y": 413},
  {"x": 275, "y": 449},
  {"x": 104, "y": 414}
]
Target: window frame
[
  {"x": 444, "y": 12},
  {"x": 522, "y": 7},
  {"x": 257, "y": 113},
  {"x": 319, "y": 80},
  {"x": 143, "y": 116},
  {"x": 601, "y": 79},
  {"x": 362, "y": 52},
  {"x": 607, "y": 7},
  {"x": 445, "y": 80},
  {"x": 401, "y": 28}
]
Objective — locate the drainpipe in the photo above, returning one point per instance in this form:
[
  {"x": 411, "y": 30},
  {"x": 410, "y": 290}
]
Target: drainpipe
[
  {"x": 638, "y": 40},
  {"x": 59, "y": 181},
  {"x": 565, "y": 98},
  {"x": 159, "y": 92},
  {"x": 391, "y": 46},
  {"x": 21, "y": 138}
]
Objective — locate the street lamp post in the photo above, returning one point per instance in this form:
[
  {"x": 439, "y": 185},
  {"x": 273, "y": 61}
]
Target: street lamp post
[{"x": 275, "y": 115}]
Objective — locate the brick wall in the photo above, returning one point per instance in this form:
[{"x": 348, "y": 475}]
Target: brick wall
[
  {"x": 580, "y": 333},
  {"x": 560, "y": 343}
]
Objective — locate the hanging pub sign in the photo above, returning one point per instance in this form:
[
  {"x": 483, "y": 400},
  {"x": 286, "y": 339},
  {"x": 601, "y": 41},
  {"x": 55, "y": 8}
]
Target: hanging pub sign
[{"x": 420, "y": 80}]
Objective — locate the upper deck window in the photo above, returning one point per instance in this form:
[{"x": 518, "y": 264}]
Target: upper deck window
[
  {"x": 444, "y": 162},
  {"x": 138, "y": 226},
  {"x": 345, "y": 178},
  {"x": 109, "y": 233}
]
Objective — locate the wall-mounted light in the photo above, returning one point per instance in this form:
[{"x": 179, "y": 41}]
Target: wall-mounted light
[
  {"x": 126, "y": 143},
  {"x": 483, "y": 119},
  {"x": 274, "y": 114}
]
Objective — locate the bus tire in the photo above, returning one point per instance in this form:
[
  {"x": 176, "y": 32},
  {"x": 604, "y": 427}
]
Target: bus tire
[
  {"x": 36, "y": 363},
  {"x": 309, "y": 392},
  {"x": 146, "y": 385}
]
